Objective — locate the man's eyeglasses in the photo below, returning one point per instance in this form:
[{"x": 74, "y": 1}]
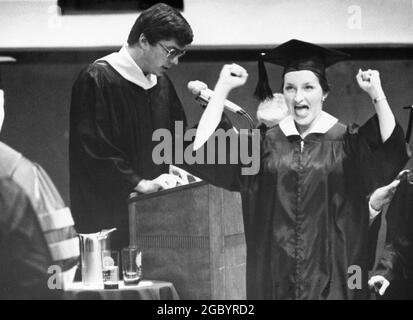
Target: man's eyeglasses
[
  {"x": 406, "y": 174},
  {"x": 172, "y": 53}
]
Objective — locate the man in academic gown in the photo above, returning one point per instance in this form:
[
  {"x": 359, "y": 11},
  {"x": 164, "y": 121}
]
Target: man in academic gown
[
  {"x": 117, "y": 103},
  {"x": 24, "y": 253}
]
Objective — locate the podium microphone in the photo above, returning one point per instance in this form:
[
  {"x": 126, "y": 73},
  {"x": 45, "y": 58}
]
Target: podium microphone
[{"x": 204, "y": 94}]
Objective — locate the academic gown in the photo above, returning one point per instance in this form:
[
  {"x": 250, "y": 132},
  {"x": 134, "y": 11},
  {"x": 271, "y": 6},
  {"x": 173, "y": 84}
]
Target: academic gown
[
  {"x": 396, "y": 260},
  {"x": 111, "y": 125},
  {"x": 306, "y": 212}
]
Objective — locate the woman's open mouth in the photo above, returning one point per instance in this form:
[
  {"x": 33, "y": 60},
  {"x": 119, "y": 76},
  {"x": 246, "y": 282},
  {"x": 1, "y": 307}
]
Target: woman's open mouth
[{"x": 301, "y": 110}]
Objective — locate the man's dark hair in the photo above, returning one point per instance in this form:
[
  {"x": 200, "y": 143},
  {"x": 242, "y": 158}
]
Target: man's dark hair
[{"x": 161, "y": 22}]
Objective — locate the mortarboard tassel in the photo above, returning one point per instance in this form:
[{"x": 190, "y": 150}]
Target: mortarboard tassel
[
  {"x": 263, "y": 90},
  {"x": 4, "y": 59},
  {"x": 410, "y": 125}
]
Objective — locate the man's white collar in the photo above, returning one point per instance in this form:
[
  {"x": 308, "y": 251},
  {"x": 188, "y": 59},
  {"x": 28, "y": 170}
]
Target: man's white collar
[
  {"x": 322, "y": 124},
  {"x": 123, "y": 63}
]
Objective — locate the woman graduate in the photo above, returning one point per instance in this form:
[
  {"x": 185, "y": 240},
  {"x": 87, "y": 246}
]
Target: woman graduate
[{"x": 305, "y": 212}]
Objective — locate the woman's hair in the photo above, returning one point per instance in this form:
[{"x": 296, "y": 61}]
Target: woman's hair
[
  {"x": 321, "y": 79},
  {"x": 161, "y": 22}
]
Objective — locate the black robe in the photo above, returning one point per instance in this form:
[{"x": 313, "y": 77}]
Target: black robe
[
  {"x": 110, "y": 148},
  {"x": 306, "y": 212},
  {"x": 396, "y": 260},
  {"x": 24, "y": 253}
]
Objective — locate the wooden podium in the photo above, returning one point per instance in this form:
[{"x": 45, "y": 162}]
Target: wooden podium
[{"x": 192, "y": 236}]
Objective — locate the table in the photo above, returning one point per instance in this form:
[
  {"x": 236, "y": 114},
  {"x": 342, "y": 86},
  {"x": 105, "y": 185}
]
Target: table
[{"x": 145, "y": 290}]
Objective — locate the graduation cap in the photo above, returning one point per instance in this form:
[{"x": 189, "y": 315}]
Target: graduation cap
[
  {"x": 295, "y": 55},
  {"x": 4, "y": 59}
]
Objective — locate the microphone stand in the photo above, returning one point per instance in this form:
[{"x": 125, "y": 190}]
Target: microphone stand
[{"x": 246, "y": 115}]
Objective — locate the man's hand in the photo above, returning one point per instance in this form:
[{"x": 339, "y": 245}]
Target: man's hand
[
  {"x": 379, "y": 284},
  {"x": 164, "y": 181},
  {"x": 383, "y": 196}
]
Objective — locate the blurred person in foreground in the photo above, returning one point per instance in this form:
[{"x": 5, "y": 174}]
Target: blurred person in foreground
[{"x": 37, "y": 232}]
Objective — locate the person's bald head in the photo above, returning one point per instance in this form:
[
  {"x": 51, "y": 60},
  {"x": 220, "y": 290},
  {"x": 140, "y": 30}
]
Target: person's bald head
[
  {"x": 3, "y": 60},
  {"x": 271, "y": 111}
]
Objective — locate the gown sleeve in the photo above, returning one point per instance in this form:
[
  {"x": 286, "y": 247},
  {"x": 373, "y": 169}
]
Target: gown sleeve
[
  {"x": 377, "y": 163},
  {"x": 93, "y": 125}
]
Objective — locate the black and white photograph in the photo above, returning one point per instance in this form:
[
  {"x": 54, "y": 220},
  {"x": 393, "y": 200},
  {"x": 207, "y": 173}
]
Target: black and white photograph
[{"x": 206, "y": 155}]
